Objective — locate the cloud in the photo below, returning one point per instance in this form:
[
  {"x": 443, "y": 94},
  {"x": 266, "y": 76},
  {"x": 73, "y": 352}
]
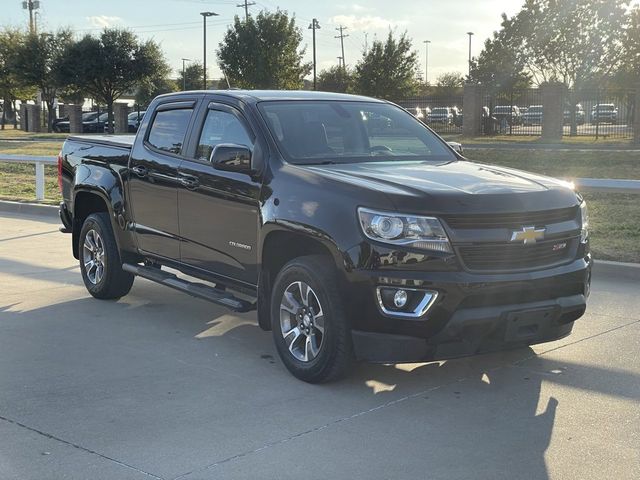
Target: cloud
[
  {"x": 103, "y": 21},
  {"x": 354, "y": 7},
  {"x": 367, "y": 22}
]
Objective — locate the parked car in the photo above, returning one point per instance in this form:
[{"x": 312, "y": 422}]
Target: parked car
[
  {"x": 92, "y": 122},
  {"x": 604, "y": 113},
  {"x": 442, "y": 115},
  {"x": 580, "y": 115},
  {"x": 533, "y": 115},
  {"x": 348, "y": 244},
  {"x": 509, "y": 112},
  {"x": 134, "y": 120}
]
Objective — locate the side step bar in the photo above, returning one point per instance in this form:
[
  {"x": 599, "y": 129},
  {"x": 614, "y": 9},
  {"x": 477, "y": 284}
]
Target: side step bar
[{"x": 199, "y": 290}]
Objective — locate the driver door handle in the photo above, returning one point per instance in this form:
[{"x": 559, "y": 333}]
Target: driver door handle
[
  {"x": 140, "y": 171},
  {"x": 189, "y": 181}
]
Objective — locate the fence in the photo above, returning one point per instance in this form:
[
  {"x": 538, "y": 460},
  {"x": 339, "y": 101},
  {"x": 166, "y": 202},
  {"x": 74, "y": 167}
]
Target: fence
[
  {"x": 441, "y": 110},
  {"x": 595, "y": 112}
]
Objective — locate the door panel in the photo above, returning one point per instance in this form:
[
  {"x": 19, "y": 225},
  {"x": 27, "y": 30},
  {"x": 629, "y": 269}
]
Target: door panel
[
  {"x": 219, "y": 211},
  {"x": 153, "y": 184}
]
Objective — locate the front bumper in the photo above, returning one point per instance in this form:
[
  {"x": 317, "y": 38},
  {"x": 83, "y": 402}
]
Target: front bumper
[
  {"x": 476, "y": 330},
  {"x": 475, "y": 313}
]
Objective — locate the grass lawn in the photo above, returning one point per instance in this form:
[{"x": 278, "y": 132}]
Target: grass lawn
[{"x": 615, "y": 218}]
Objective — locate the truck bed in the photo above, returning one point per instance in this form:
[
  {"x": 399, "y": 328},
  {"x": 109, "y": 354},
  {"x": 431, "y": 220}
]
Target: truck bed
[{"x": 121, "y": 141}]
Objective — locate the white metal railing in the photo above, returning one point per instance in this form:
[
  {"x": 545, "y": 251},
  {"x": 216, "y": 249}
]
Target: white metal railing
[
  {"x": 582, "y": 184},
  {"x": 39, "y": 162}
]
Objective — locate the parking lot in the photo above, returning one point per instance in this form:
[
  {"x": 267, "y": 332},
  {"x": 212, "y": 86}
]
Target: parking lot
[{"x": 161, "y": 385}]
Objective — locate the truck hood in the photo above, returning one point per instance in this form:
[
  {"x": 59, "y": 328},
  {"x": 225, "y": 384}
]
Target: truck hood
[{"x": 453, "y": 186}]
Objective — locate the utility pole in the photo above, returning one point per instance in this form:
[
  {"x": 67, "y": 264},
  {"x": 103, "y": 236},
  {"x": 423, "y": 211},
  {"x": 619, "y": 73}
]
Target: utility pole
[
  {"x": 342, "y": 36},
  {"x": 470, "y": 35},
  {"x": 246, "y": 6},
  {"x": 184, "y": 79},
  {"x": 314, "y": 26},
  {"x": 426, "y": 62},
  {"x": 204, "y": 43},
  {"x": 31, "y": 5}
]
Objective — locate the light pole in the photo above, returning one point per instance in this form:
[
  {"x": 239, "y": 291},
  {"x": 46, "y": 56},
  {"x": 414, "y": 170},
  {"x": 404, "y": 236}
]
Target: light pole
[
  {"x": 470, "y": 35},
  {"x": 204, "y": 41},
  {"x": 184, "y": 79},
  {"x": 314, "y": 26},
  {"x": 426, "y": 62}
]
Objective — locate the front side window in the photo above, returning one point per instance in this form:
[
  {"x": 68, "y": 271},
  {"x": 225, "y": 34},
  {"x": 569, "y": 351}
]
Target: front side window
[
  {"x": 310, "y": 132},
  {"x": 169, "y": 129},
  {"x": 221, "y": 127}
]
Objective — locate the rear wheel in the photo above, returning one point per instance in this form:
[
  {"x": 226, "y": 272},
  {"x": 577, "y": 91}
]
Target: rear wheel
[
  {"x": 100, "y": 262},
  {"x": 309, "y": 324}
]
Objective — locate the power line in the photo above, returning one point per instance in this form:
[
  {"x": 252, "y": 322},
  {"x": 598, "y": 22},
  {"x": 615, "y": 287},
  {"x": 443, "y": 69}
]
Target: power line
[
  {"x": 342, "y": 36},
  {"x": 246, "y": 6}
]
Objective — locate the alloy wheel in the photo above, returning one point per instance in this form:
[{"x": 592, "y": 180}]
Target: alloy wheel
[{"x": 302, "y": 321}]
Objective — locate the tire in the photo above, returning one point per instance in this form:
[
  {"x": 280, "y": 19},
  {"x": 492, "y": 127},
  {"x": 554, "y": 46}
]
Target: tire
[
  {"x": 327, "y": 342},
  {"x": 104, "y": 278}
]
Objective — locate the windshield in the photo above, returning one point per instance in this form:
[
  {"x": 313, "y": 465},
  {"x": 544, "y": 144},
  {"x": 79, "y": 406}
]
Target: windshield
[
  {"x": 502, "y": 110},
  {"x": 535, "y": 109},
  {"x": 605, "y": 108},
  {"x": 311, "y": 132},
  {"x": 440, "y": 111}
]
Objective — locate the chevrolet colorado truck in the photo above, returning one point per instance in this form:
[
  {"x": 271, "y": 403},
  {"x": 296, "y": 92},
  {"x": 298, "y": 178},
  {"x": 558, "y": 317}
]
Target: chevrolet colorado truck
[{"x": 352, "y": 237}]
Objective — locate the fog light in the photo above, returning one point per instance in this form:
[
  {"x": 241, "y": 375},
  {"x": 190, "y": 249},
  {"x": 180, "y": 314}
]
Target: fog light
[
  {"x": 409, "y": 303},
  {"x": 400, "y": 298}
]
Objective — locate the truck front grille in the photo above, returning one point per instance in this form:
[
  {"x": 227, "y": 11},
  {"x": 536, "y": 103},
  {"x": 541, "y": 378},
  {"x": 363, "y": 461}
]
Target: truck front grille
[
  {"x": 509, "y": 257},
  {"x": 511, "y": 220}
]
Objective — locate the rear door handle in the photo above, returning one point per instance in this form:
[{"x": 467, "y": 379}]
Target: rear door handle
[
  {"x": 189, "y": 181},
  {"x": 140, "y": 171}
]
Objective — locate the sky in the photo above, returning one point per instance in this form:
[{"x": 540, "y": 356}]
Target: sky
[{"x": 177, "y": 25}]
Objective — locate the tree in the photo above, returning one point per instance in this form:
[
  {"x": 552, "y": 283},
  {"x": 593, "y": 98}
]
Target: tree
[
  {"x": 387, "y": 69},
  {"x": 152, "y": 87},
  {"x": 263, "y": 52},
  {"x": 500, "y": 67},
  {"x": 112, "y": 64},
  {"x": 38, "y": 62},
  {"x": 570, "y": 41},
  {"x": 450, "y": 83},
  {"x": 11, "y": 86},
  {"x": 192, "y": 79},
  {"x": 335, "y": 79}
]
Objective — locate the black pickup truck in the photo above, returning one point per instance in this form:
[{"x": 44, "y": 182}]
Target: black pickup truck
[{"x": 352, "y": 238}]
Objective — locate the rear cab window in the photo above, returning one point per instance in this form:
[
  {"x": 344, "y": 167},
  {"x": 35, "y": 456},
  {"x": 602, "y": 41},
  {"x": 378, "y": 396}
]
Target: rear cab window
[{"x": 169, "y": 128}]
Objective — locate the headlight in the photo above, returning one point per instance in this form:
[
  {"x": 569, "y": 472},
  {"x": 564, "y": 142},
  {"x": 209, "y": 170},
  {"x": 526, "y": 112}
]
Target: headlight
[
  {"x": 584, "y": 213},
  {"x": 424, "y": 233}
]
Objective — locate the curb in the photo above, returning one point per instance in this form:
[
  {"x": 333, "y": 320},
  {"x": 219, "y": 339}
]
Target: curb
[
  {"x": 629, "y": 271},
  {"x": 24, "y": 208}
]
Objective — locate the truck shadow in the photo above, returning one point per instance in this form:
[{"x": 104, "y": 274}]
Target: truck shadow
[{"x": 488, "y": 415}]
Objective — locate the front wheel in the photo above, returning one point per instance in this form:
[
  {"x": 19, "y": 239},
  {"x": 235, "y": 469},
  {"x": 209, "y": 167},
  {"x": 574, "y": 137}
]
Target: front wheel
[
  {"x": 309, "y": 323},
  {"x": 100, "y": 262}
]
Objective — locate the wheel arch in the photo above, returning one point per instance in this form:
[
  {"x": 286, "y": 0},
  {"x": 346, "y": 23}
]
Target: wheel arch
[
  {"x": 280, "y": 247},
  {"x": 86, "y": 202}
]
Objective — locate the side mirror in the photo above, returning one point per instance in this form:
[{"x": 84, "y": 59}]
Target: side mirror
[
  {"x": 456, "y": 146},
  {"x": 232, "y": 158}
]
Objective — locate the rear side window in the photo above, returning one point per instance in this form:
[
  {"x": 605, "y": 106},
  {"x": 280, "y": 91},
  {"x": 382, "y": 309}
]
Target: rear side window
[{"x": 169, "y": 129}]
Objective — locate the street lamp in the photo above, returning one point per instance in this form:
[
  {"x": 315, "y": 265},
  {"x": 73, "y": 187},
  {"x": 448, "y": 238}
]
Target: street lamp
[
  {"x": 426, "y": 63},
  {"x": 184, "y": 79},
  {"x": 204, "y": 41},
  {"x": 470, "y": 35}
]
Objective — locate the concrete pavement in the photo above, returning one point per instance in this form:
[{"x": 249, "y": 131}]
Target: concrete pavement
[{"x": 161, "y": 385}]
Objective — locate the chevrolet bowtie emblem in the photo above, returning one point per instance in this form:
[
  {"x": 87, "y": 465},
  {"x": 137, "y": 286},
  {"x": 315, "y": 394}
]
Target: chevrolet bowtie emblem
[{"x": 528, "y": 235}]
